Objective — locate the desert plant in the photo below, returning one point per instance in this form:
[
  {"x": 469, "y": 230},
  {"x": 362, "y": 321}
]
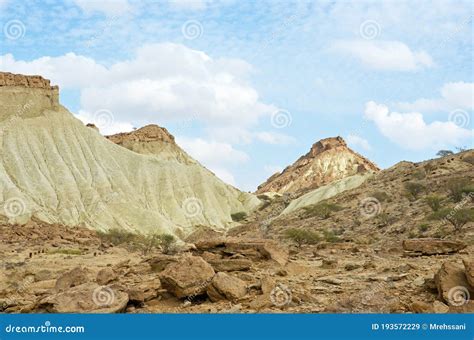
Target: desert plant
[
  {"x": 457, "y": 187},
  {"x": 413, "y": 189},
  {"x": 419, "y": 174},
  {"x": 434, "y": 201},
  {"x": 383, "y": 219},
  {"x": 330, "y": 236},
  {"x": 457, "y": 217},
  {"x": 302, "y": 236},
  {"x": 444, "y": 153},
  {"x": 239, "y": 216},
  {"x": 423, "y": 227},
  {"x": 322, "y": 210},
  {"x": 117, "y": 236},
  {"x": 381, "y": 196}
]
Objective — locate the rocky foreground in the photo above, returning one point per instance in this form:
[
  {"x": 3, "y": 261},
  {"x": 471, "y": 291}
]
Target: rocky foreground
[{"x": 54, "y": 269}]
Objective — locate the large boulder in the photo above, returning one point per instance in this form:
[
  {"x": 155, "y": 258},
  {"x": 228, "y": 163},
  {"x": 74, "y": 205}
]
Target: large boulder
[
  {"x": 267, "y": 249},
  {"x": 75, "y": 277},
  {"x": 86, "y": 298},
  {"x": 230, "y": 265},
  {"x": 452, "y": 284},
  {"x": 226, "y": 287},
  {"x": 432, "y": 246},
  {"x": 189, "y": 276},
  {"x": 469, "y": 266},
  {"x": 105, "y": 276}
]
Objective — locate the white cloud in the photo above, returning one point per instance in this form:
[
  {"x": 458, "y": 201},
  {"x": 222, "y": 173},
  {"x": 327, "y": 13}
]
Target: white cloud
[
  {"x": 273, "y": 138},
  {"x": 459, "y": 95},
  {"x": 108, "y": 7},
  {"x": 386, "y": 55},
  {"x": 410, "y": 131},
  {"x": 214, "y": 155},
  {"x": 105, "y": 123},
  {"x": 356, "y": 141}
]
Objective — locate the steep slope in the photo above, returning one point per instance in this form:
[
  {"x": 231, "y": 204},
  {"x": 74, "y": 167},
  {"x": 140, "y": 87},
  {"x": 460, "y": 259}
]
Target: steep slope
[
  {"x": 58, "y": 170},
  {"x": 328, "y": 160}
]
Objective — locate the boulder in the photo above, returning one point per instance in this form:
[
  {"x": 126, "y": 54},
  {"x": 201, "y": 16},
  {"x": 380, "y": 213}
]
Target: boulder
[
  {"x": 469, "y": 270},
  {"x": 226, "y": 287},
  {"x": 189, "y": 276},
  {"x": 75, "y": 277},
  {"x": 452, "y": 284},
  {"x": 86, "y": 298},
  {"x": 268, "y": 249},
  {"x": 432, "y": 246},
  {"x": 229, "y": 265},
  {"x": 105, "y": 276}
]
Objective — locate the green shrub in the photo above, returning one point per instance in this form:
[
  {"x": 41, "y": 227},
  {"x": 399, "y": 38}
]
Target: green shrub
[
  {"x": 143, "y": 243},
  {"x": 239, "y": 216},
  {"x": 381, "y": 196},
  {"x": 457, "y": 187},
  {"x": 457, "y": 217},
  {"x": 434, "y": 201},
  {"x": 322, "y": 210},
  {"x": 302, "y": 236},
  {"x": 117, "y": 236},
  {"x": 414, "y": 189},
  {"x": 383, "y": 219},
  {"x": 65, "y": 251},
  {"x": 424, "y": 227},
  {"x": 330, "y": 236}
]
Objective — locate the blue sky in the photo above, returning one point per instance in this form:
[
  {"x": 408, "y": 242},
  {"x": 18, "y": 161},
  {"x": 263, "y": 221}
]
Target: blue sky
[{"x": 248, "y": 86}]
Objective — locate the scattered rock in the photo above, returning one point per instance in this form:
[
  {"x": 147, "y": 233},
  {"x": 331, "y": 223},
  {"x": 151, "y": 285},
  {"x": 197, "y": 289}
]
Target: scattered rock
[
  {"x": 75, "y": 277},
  {"x": 329, "y": 264},
  {"x": 229, "y": 265},
  {"x": 105, "y": 276},
  {"x": 189, "y": 276},
  {"x": 452, "y": 284},
  {"x": 440, "y": 308},
  {"x": 224, "y": 286},
  {"x": 427, "y": 246},
  {"x": 469, "y": 266},
  {"x": 86, "y": 298}
]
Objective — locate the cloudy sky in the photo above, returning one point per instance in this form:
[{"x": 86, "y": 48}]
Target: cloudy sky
[{"x": 248, "y": 86}]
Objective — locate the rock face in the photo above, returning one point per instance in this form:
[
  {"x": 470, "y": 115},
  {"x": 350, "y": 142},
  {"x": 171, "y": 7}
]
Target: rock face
[
  {"x": 57, "y": 170},
  {"x": 226, "y": 287},
  {"x": 328, "y": 160},
  {"x": 452, "y": 284},
  {"x": 432, "y": 246},
  {"x": 188, "y": 277}
]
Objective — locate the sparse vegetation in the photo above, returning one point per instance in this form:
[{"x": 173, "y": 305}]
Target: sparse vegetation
[
  {"x": 419, "y": 174},
  {"x": 444, "y": 153},
  {"x": 330, "y": 236},
  {"x": 322, "y": 210},
  {"x": 414, "y": 189},
  {"x": 143, "y": 243},
  {"x": 434, "y": 201},
  {"x": 302, "y": 236},
  {"x": 65, "y": 251},
  {"x": 383, "y": 219},
  {"x": 424, "y": 227},
  {"x": 381, "y": 196},
  {"x": 457, "y": 217},
  {"x": 469, "y": 159},
  {"x": 457, "y": 187},
  {"x": 239, "y": 216}
]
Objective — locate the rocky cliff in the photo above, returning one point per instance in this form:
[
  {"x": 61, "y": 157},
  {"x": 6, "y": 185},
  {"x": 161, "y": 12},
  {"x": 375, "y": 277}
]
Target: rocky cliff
[
  {"x": 57, "y": 170},
  {"x": 328, "y": 160}
]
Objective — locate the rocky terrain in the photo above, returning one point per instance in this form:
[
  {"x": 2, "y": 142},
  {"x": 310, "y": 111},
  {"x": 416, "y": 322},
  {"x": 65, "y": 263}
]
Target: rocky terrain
[
  {"x": 328, "y": 160},
  {"x": 98, "y": 225}
]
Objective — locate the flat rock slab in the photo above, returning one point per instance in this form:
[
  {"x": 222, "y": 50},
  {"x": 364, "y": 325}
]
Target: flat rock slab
[
  {"x": 432, "y": 246},
  {"x": 189, "y": 276},
  {"x": 230, "y": 265},
  {"x": 452, "y": 284},
  {"x": 226, "y": 287}
]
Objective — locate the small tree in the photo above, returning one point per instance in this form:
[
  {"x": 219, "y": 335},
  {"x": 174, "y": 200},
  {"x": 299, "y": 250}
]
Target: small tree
[
  {"x": 414, "y": 189},
  {"x": 444, "y": 153},
  {"x": 322, "y": 210},
  {"x": 457, "y": 217},
  {"x": 434, "y": 202},
  {"x": 457, "y": 187},
  {"x": 239, "y": 216},
  {"x": 302, "y": 236}
]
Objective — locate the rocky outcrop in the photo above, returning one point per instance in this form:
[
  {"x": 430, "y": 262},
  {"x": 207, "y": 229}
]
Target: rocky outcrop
[
  {"x": 452, "y": 284},
  {"x": 11, "y": 79},
  {"x": 226, "y": 287},
  {"x": 188, "y": 277},
  {"x": 328, "y": 160},
  {"x": 425, "y": 246}
]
